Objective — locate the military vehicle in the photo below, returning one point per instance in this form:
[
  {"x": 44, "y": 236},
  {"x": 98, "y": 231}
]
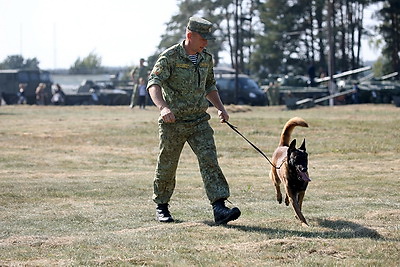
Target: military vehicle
[
  {"x": 97, "y": 93},
  {"x": 10, "y": 80},
  {"x": 380, "y": 90},
  {"x": 296, "y": 92},
  {"x": 89, "y": 92}
]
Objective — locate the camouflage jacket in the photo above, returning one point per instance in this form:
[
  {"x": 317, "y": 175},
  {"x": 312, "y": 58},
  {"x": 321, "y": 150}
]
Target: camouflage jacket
[
  {"x": 139, "y": 72},
  {"x": 184, "y": 84}
]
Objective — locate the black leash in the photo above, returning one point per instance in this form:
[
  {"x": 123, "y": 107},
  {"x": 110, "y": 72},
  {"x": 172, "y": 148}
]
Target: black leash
[{"x": 254, "y": 146}]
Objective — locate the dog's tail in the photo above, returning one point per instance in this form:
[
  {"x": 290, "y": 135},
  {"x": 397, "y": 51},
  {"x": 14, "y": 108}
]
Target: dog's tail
[{"x": 288, "y": 129}]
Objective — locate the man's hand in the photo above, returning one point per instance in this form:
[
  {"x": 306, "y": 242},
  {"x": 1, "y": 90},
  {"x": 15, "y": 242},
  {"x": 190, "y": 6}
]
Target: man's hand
[
  {"x": 167, "y": 115},
  {"x": 223, "y": 116},
  {"x": 214, "y": 98}
]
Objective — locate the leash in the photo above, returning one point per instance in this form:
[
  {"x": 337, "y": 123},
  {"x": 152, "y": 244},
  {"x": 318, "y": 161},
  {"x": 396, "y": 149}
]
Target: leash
[{"x": 234, "y": 128}]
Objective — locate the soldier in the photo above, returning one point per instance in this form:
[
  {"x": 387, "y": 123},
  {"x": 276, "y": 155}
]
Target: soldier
[
  {"x": 180, "y": 83},
  {"x": 138, "y": 73}
]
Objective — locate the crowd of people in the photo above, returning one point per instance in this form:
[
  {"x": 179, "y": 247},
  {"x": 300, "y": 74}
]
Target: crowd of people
[{"x": 42, "y": 96}]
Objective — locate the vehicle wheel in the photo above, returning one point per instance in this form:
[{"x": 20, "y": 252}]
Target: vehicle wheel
[{"x": 241, "y": 102}]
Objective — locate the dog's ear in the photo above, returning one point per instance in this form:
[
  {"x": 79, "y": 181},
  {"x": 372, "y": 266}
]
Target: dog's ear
[
  {"x": 292, "y": 145},
  {"x": 303, "y": 145}
]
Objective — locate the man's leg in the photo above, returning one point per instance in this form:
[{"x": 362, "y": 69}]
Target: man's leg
[
  {"x": 216, "y": 186},
  {"x": 202, "y": 144},
  {"x": 171, "y": 145}
]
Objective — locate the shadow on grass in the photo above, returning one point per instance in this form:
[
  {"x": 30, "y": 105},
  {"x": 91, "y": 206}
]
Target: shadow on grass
[
  {"x": 339, "y": 229},
  {"x": 355, "y": 229},
  {"x": 6, "y": 113}
]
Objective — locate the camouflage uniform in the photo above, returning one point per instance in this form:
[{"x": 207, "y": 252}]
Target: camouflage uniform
[{"x": 184, "y": 88}]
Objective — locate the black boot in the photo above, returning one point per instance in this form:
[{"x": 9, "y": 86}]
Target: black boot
[
  {"x": 162, "y": 213},
  {"x": 222, "y": 214}
]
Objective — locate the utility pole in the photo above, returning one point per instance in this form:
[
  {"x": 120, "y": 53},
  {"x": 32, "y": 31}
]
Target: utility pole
[
  {"x": 236, "y": 53},
  {"x": 54, "y": 46},
  {"x": 20, "y": 39},
  {"x": 331, "y": 67}
]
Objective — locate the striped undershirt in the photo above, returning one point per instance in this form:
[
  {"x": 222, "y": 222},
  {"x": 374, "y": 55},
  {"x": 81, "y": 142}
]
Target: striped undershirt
[{"x": 193, "y": 58}]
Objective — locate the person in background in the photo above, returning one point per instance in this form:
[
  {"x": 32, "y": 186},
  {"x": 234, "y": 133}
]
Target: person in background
[
  {"x": 273, "y": 94},
  {"x": 40, "y": 94},
  {"x": 21, "y": 94},
  {"x": 356, "y": 94},
  {"x": 180, "y": 84},
  {"x": 139, "y": 72},
  {"x": 58, "y": 97},
  {"x": 142, "y": 93}
]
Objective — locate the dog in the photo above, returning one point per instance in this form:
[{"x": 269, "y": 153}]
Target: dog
[{"x": 290, "y": 167}]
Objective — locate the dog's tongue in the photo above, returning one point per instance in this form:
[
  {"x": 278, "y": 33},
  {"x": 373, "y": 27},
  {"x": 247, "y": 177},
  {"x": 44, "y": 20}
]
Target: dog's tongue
[{"x": 304, "y": 176}]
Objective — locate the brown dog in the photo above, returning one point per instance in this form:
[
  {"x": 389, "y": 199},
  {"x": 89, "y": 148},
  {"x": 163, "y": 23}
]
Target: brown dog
[{"x": 291, "y": 168}]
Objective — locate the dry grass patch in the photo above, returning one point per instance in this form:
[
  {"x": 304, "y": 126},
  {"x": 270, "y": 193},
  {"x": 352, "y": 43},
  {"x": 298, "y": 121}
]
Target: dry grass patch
[{"x": 76, "y": 186}]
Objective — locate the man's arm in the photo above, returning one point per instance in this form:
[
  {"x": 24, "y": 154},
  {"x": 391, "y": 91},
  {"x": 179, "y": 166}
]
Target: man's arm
[
  {"x": 156, "y": 95},
  {"x": 214, "y": 98}
]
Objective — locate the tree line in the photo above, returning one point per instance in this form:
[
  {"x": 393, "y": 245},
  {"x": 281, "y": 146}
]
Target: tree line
[
  {"x": 91, "y": 64},
  {"x": 275, "y": 36}
]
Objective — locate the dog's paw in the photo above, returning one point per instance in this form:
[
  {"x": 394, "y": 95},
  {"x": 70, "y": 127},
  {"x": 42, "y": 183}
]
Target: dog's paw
[
  {"x": 279, "y": 198},
  {"x": 287, "y": 201},
  {"x": 304, "y": 224}
]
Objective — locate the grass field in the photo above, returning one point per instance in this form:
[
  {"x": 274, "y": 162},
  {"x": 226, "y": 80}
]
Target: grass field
[{"x": 76, "y": 187}]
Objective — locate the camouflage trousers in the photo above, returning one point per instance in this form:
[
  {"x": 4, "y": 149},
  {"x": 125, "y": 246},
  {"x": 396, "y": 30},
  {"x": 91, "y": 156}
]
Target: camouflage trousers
[{"x": 199, "y": 135}]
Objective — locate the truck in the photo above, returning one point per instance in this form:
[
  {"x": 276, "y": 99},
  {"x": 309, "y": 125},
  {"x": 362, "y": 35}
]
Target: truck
[{"x": 10, "y": 80}]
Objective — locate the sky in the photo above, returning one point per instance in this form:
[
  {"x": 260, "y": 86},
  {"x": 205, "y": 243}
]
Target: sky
[{"x": 58, "y": 32}]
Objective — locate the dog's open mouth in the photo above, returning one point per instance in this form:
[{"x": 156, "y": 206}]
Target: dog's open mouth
[{"x": 303, "y": 175}]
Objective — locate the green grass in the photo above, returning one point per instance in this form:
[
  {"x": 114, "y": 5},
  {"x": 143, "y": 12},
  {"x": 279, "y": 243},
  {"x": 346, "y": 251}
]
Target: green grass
[{"x": 76, "y": 187}]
